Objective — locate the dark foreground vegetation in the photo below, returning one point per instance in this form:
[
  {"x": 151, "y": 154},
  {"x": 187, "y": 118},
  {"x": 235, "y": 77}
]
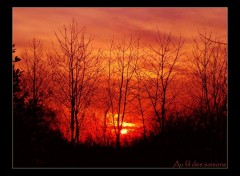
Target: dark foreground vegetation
[{"x": 35, "y": 145}]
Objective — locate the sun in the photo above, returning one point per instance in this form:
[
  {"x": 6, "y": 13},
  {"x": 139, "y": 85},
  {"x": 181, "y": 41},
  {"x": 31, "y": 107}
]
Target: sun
[{"x": 124, "y": 131}]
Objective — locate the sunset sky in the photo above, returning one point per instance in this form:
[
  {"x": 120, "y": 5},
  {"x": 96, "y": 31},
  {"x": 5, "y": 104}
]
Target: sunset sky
[{"x": 105, "y": 23}]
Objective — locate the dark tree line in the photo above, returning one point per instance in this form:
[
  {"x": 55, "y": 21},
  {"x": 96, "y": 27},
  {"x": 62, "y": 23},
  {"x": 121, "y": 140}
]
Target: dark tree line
[{"x": 31, "y": 121}]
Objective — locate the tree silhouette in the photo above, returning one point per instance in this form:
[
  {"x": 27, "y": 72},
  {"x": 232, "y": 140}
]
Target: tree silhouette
[
  {"x": 36, "y": 78},
  {"x": 209, "y": 74},
  {"x": 18, "y": 99},
  {"x": 75, "y": 74},
  {"x": 162, "y": 62},
  {"x": 122, "y": 62}
]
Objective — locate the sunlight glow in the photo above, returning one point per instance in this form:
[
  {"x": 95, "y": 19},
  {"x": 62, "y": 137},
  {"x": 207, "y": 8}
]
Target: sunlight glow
[
  {"x": 126, "y": 124},
  {"x": 124, "y": 131}
]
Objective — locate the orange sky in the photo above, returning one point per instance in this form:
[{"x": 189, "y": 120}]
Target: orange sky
[{"x": 104, "y": 23}]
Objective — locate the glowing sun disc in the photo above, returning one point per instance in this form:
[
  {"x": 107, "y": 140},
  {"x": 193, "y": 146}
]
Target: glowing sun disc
[{"x": 124, "y": 131}]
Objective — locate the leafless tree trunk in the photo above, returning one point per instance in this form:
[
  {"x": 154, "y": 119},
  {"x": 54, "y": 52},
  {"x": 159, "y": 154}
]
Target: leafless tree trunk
[
  {"x": 140, "y": 102},
  {"x": 161, "y": 69},
  {"x": 105, "y": 125},
  {"x": 139, "y": 93},
  {"x": 210, "y": 74},
  {"x": 122, "y": 62},
  {"x": 36, "y": 74},
  {"x": 75, "y": 73}
]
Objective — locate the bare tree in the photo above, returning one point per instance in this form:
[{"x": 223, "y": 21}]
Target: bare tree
[
  {"x": 209, "y": 71},
  {"x": 75, "y": 73},
  {"x": 161, "y": 68},
  {"x": 36, "y": 74},
  {"x": 107, "y": 96},
  {"x": 122, "y": 62},
  {"x": 139, "y": 94}
]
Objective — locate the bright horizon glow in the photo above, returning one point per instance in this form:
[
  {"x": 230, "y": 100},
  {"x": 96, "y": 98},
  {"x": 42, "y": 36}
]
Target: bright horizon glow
[
  {"x": 125, "y": 124},
  {"x": 124, "y": 131}
]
